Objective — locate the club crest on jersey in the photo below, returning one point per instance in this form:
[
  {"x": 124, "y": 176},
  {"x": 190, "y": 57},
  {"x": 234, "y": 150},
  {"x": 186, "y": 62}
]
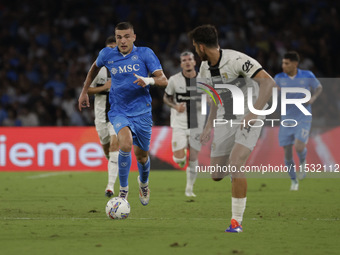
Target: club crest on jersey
[
  {"x": 114, "y": 70},
  {"x": 134, "y": 58}
]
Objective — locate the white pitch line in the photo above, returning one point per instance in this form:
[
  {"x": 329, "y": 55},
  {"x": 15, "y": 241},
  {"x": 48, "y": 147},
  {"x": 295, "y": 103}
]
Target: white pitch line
[
  {"x": 39, "y": 176},
  {"x": 131, "y": 218}
]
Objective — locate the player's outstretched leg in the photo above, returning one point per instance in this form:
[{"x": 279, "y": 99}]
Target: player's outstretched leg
[
  {"x": 180, "y": 161},
  {"x": 235, "y": 227},
  {"x": 144, "y": 192},
  {"x": 292, "y": 173},
  {"x": 191, "y": 178},
  {"x": 124, "y": 161},
  {"x": 302, "y": 158},
  {"x": 143, "y": 181},
  {"x": 238, "y": 206},
  {"x": 112, "y": 173}
]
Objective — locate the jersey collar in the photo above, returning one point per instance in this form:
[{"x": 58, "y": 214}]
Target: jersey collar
[
  {"x": 134, "y": 48},
  {"x": 218, "y": 62}
]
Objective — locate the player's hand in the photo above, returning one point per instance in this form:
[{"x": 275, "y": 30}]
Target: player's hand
[
  {"x": 180, "y": 107},
  {"x": 205, "y": 136},
  {"x": 311, "y": 100},
  {"x": 143, "y": 81},
  {"x": 107, "y": 85},
  {"x": 83, "y": 101},
  {"x": 250, "y": 118}
]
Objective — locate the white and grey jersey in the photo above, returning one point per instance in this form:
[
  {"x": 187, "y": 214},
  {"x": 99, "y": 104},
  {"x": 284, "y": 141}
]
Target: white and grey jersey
[
  {"x": 101, "y": 100},
  {"x": 184, "y": 90},
  {"x": 234, "y": 68}
]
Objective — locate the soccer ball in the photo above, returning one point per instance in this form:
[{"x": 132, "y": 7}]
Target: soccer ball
[{"x": 117, "y": 208}]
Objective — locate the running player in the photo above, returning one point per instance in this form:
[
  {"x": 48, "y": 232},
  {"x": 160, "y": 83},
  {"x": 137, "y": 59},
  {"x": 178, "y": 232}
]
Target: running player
[
  {"x": 130, "y": 100},
  {"x": 185, "y": 129},
  {"x": 232, "y": 144},
  {"x": 100, "y": 88},
  {"x": 298, "y": 135}
]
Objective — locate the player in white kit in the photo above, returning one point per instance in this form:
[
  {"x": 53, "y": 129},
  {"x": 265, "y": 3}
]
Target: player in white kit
[
  {"x": 232, "y": 143},
  {"x": 186, "y": 128},
  {"x": 100, "y": 88}
]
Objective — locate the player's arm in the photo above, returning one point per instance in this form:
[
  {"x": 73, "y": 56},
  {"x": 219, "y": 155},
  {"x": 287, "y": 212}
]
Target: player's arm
[
  {"x": 158, "y": 78},
  {"x": 316, "y": 94},
  {"x": 83, "y": 100},
  {"x": 205, "y": 136},
  {"x": 169, "y": 100},
  {"x": 266, "y": 84},
  {"x": 95, "y": 90}
]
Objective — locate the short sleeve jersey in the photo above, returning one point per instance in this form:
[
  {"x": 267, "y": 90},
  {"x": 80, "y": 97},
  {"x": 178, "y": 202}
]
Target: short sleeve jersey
[
  {"x": 303, "y": 79},
  {"x": 101, "y": 100},
  {"x": 126, "y": 97},
  {"x": 233, "y": 68},
  {"x": 183, "y": 90}
]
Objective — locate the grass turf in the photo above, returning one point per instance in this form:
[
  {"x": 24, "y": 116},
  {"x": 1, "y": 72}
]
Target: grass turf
[{"x": 64, "y": 213}]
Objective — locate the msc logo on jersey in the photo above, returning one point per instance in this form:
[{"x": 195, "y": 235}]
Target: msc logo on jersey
[{"x": 125, "y": 69}]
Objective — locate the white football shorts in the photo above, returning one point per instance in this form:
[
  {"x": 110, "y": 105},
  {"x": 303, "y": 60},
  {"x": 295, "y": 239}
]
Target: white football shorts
[
  {"x": 225, "y": 137},
  {"x": 105, "y": 130},
  {"x": 181, "y": 138}
]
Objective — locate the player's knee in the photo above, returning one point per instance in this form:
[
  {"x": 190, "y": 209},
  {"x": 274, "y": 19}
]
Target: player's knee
[
  {"x": 142, "y": 159},
  {"x": 216, "y": 179},
  {"x": 299, "y": 148},
  {"x": 236, "y": 164},
  {"x": 127, "y": 147},
  {"x": 180, "y": 161},
  {"x": 114, "y": 144},
  {"x": 217, "y": 176},
  {"x": 114, "y": 147}
]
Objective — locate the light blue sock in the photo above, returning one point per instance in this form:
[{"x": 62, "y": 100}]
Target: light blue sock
[
  {"x": 124, "y": 164},
  {"x": 302, "y": 155},
  {"x": 144, "y": 171},
  {"x": 291, "y": 167}
]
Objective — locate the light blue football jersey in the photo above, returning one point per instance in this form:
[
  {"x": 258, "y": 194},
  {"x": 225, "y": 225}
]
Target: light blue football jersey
[
  {"x": 303, "y": 79},
  {"x": 126, "y": 97}
]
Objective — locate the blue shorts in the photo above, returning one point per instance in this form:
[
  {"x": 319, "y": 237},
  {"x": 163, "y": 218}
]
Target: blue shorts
[
  {"x": 140, "y": 126},
  {"x": 287, "y": 135}
]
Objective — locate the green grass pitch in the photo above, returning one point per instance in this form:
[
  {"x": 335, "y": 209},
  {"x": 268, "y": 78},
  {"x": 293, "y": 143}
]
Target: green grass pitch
[{"x": 64, "y": 213}]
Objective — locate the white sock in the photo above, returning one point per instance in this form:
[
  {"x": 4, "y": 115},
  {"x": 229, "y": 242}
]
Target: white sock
[
  {"x": 191, "y": 174},
  {"x": 238, "y": 205},
  {"x": 112, "y": 167},
  {"x": 180, "y": 161}
]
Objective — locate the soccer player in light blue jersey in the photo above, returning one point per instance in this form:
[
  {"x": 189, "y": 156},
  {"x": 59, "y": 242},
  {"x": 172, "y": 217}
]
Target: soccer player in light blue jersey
[
  {"x": 298, "y": 135},
  {"x": 130, "y": 102}
]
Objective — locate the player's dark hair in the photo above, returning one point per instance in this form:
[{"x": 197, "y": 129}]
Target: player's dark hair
[
  {"x": 124, "y": 26},
  {"x": 110, "y": 39},
  {"x": 292, "y": 56},
  {"x": 206, "y": 34}
]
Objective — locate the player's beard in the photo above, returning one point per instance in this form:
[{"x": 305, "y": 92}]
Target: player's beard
[{"x": 203, "y": 56}]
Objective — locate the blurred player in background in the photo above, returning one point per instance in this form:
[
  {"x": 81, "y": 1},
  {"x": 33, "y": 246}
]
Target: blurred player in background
[
  {"x": 186, "y": 129},
  {"x": 100, "y": 88},
  {"x": 130, "y": 101},
  {"x": 232, "y": 145},
  {"x": 297, "y": 136}
]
